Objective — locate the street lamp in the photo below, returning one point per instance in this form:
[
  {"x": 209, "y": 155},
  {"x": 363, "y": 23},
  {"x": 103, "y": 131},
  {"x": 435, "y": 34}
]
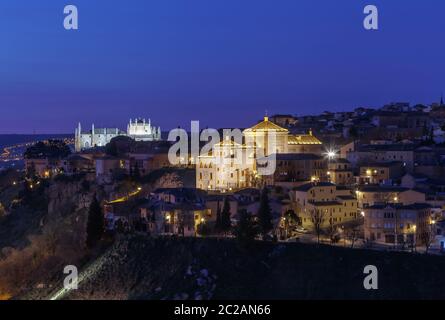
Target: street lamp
[{"x": 331, "y": 154}]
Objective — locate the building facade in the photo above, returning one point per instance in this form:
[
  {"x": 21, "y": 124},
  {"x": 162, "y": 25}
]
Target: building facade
[
  {"x": 298, "y": 167},
  {"x": 322, "y": 200},
  {"x": 398, "y": 224},
  {"x": 340, "y": 172},
  {"x": 139, "y": 130},
  {"x": 229, "y": 166}
]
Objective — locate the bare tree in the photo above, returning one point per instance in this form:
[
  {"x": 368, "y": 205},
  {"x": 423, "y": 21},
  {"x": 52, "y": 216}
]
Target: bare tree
[
  {"x": 317, "y": 218},
  {"x": 332, "y": 231},
  {"x": 352, "y": 234},
  {"x": 427, "y": 238}
]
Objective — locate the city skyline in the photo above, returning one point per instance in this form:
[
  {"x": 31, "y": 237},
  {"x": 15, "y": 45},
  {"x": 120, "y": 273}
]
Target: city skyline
[{"x": 143, "y": 61}]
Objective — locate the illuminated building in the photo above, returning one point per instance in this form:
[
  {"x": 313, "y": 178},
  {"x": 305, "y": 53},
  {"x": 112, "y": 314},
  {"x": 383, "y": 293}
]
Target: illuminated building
[
  {"x": 139, "y": 130},
  {"x": 323, "y": 199},
  {"x": 397, "y": 223},
  {"x": 233, "y": 166},
  {"x": 230, "y": 166}
]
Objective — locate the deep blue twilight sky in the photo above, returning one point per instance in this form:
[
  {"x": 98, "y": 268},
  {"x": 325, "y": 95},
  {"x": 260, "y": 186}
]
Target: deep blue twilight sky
[{"x": 223, "y": 62}]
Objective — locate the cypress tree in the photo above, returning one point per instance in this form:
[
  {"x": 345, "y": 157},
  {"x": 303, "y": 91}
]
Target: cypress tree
[
  {"x": 264, "y": 214},
  {"x": 95, "y": 224},
  {"x": 225, "y": 216},
  {"x": 218, "y": 217},
  {"x": 245, "y": 230}
]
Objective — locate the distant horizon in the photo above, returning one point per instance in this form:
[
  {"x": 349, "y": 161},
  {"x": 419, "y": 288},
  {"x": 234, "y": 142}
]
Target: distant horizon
[{"x": 249, "y": 122}]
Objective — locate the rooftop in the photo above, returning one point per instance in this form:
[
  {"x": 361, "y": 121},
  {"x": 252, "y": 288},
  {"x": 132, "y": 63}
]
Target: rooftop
[
  {"x": 379, "y": 188},
  {"x": 347, "y": 197},
  {"x": 399, "y": 206},
  {"x": 266, "y": 125},
  {"x": 310, "y": 185},
  {"x": 326, "y": 203},
  {"x": 297, "y": 156},
  {"x": 382, "y": 164},
  {"x": 302, "y": 139},
  {"x": 387, "y": 147}
]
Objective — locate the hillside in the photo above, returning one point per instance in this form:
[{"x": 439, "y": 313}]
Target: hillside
[
  {"x": 139, "y": 267},
  {"x": 45, "y": 231}
]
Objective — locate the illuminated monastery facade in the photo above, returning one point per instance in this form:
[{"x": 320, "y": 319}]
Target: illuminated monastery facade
[
  {"x": 220, "y": 170},
  {"x": 139, "y": 130}
]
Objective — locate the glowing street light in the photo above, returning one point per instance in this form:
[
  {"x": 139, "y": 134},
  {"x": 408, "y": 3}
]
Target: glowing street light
[{"x": 331, "y": 154}]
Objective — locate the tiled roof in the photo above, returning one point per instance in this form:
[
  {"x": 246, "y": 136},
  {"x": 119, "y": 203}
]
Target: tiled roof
[
  {"x": 340, "y": 160},
  {"x": 347, "y": 197},
  {"x": 378, "y": 188},
  {"x": 297, "y": 156},
  {"x": 266, "y": 125},
  {"x": 387, "y": 147},
  {"x": 302, "y": 139},
  {"x": 414, "y": 206},
  {"x": 310, "y": 185},
  {"x": 382, "y": 164},
  {"x": 325, "y": 203}
]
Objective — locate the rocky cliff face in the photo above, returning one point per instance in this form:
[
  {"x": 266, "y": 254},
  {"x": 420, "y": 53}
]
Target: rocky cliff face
[
  {"x": 168, "y": 180},
  {"x": 65, "y": 198},
  {"x": 42, "y": 235}
]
